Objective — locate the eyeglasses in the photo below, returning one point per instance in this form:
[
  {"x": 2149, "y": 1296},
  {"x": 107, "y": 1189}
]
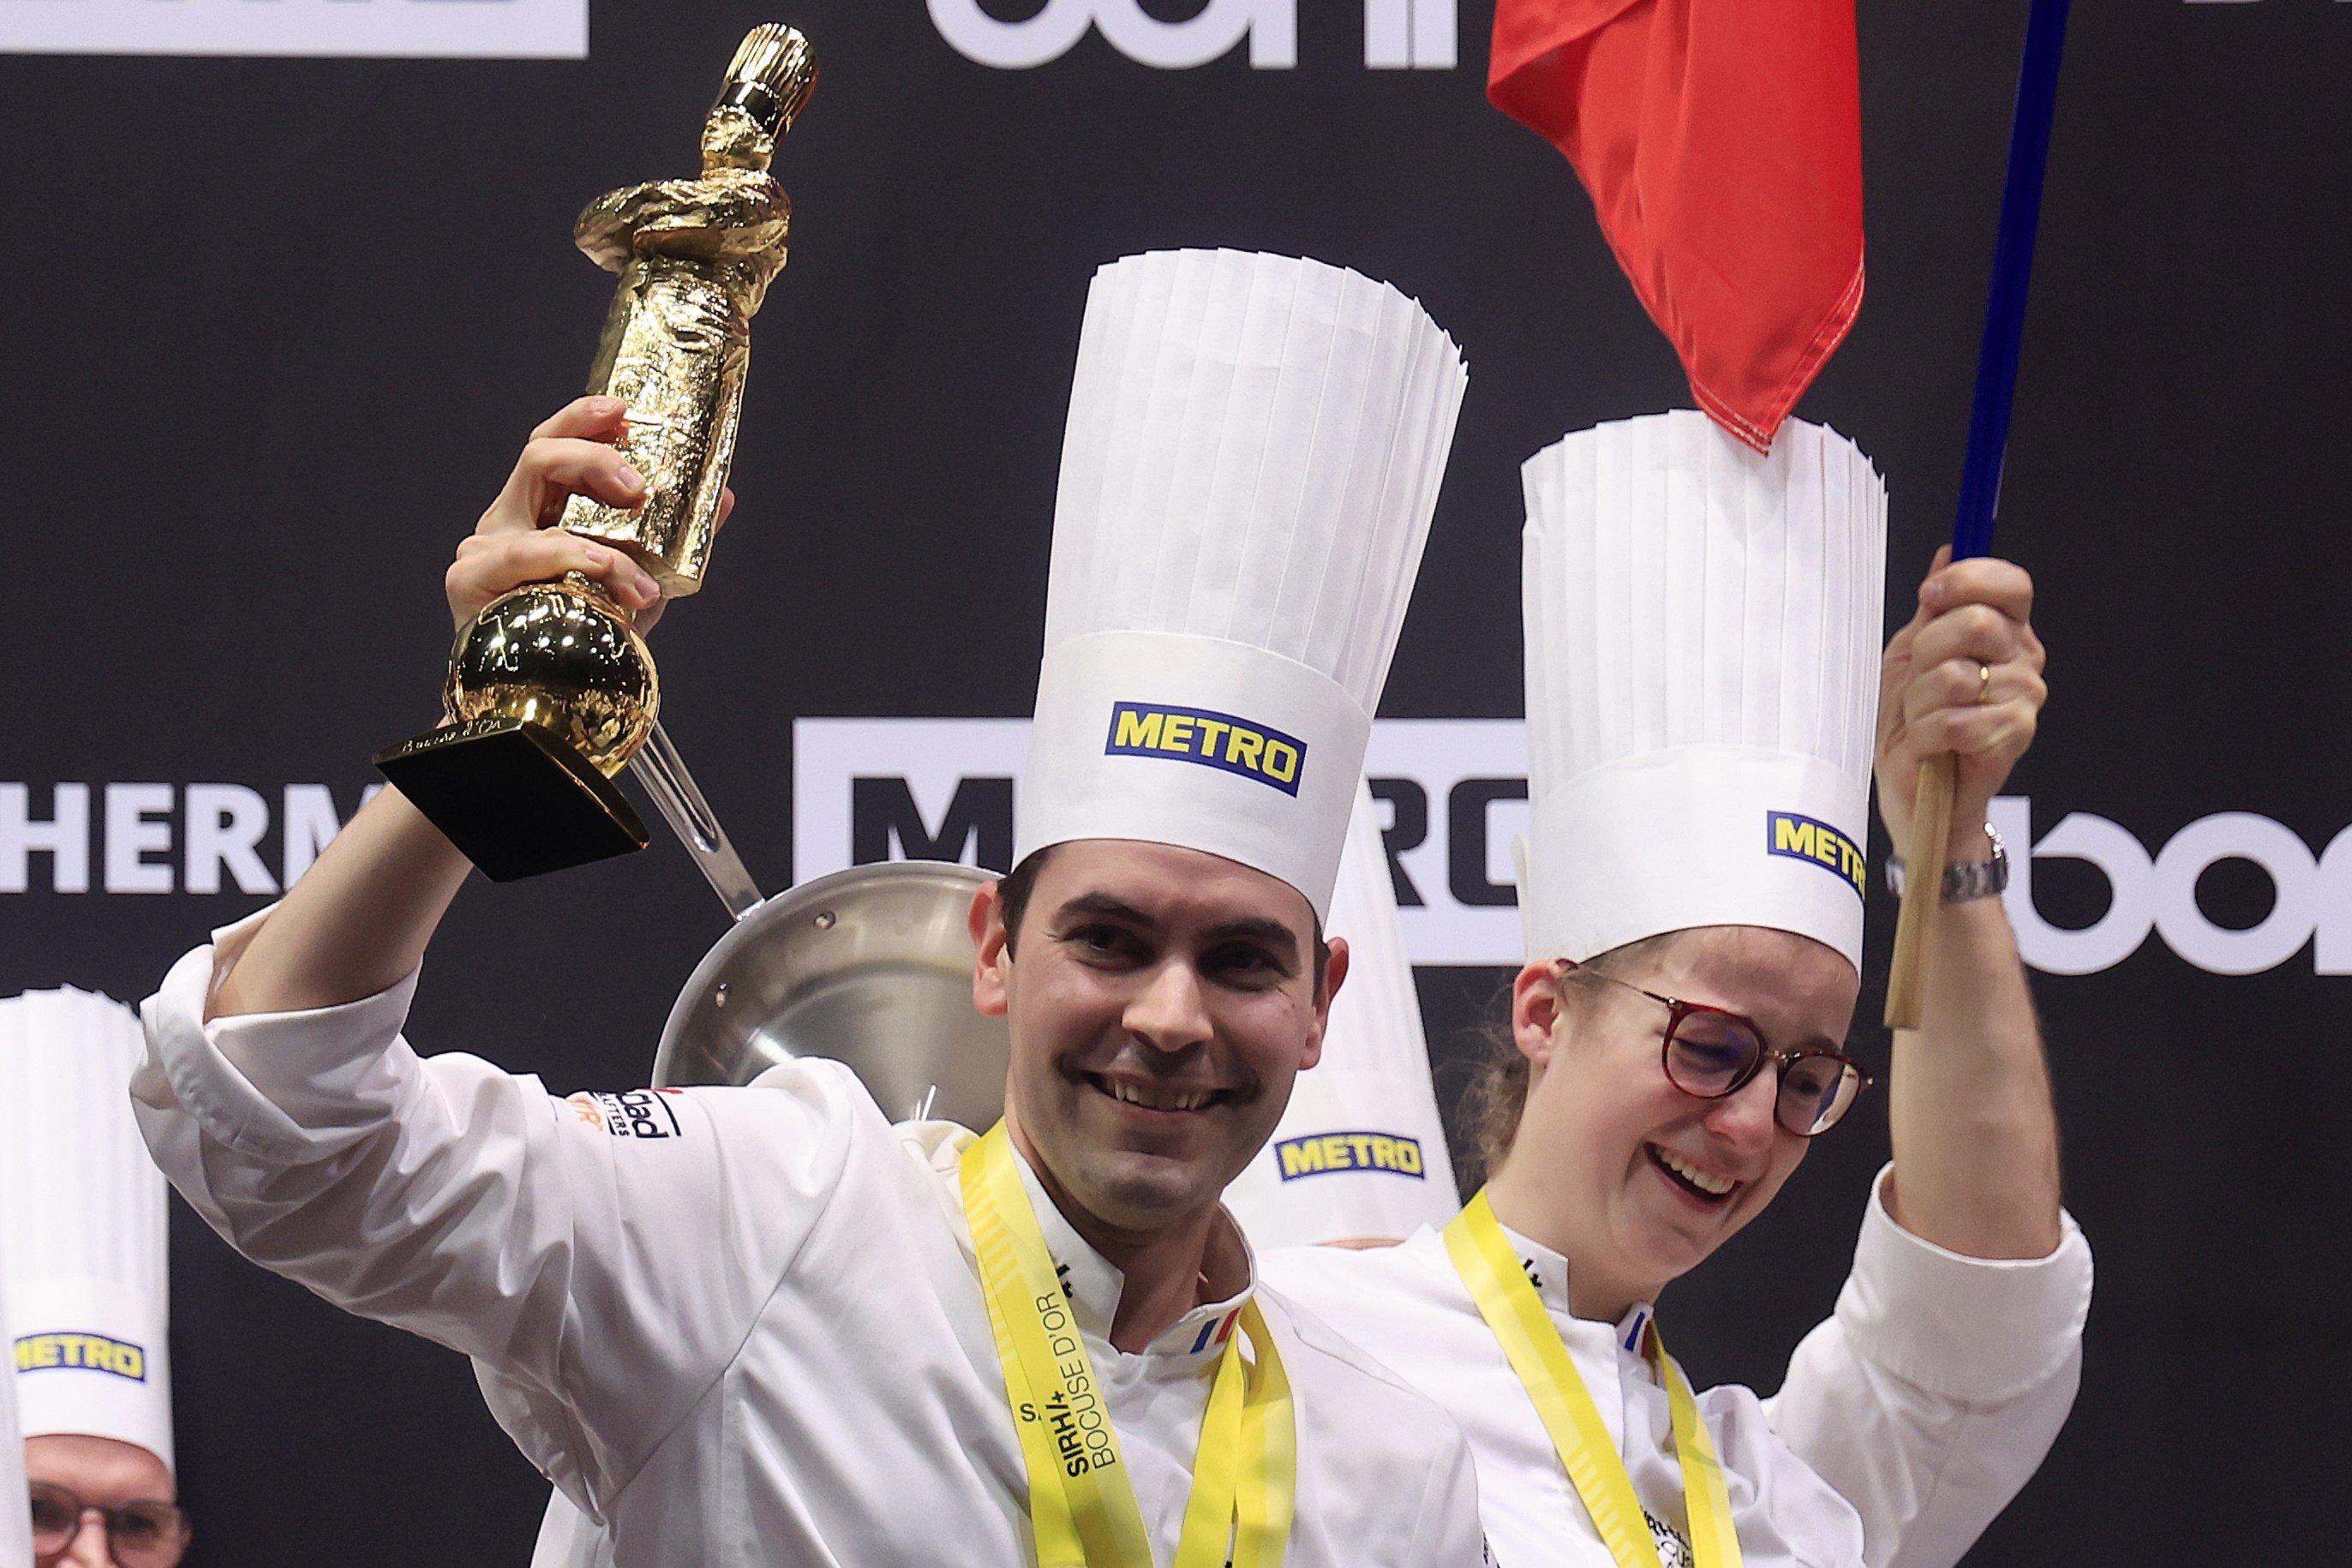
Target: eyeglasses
[
  {"x": 1712, "y": 1053},
  {"x": 142, "y": 1535}
]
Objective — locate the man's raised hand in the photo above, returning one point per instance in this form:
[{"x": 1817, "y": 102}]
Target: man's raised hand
[{"x": 575, "y": 452}]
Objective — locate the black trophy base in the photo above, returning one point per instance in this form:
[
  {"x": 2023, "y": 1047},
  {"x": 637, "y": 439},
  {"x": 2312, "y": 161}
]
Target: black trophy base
[{"x": 515, "y": 800}]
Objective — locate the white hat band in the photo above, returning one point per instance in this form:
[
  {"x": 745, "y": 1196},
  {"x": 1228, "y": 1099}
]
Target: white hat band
[
  {"x": 1696, "y": 835},
  {"x": 1195, "y": 742},
  {"x": 91, "y": 1359}
]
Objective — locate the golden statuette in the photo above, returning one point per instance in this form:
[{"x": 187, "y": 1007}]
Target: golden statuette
[{"x": 551, "y": 690}]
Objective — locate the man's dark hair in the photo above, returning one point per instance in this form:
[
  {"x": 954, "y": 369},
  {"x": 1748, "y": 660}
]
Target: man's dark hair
[{"x": 1014, "y": 888}]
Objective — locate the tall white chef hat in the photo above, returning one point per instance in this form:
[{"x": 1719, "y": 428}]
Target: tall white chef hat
[
  {"x": 16, "y": 1524},
  {"x": 82, "y": 1219},
  {"x": 1360, "y": 1150},
  {"x": 1702, "y": 680},
  {"x": 1252, "y": 457}
]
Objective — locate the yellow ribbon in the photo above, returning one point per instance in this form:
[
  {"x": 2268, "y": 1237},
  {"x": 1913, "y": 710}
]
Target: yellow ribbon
[
  {"x": 1082, "y": 1510},
  {"x": 1483, "y": 1255}
]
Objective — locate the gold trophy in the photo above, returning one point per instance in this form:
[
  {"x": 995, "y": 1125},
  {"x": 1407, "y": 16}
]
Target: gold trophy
[{"x": 551, "y": 690}]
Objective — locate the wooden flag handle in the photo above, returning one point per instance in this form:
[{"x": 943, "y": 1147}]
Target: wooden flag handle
[{"x": 1923, "y": 893}]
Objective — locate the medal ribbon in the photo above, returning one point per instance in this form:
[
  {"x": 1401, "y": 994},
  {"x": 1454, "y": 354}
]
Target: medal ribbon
[
  {"x": 1082, "y": 1510},
  {"x": 1483, "y": 1255}
]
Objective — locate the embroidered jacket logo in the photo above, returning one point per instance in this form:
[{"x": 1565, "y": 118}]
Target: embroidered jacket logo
[
  {"x": 1326, "y": 1153},
  {"x": 1802, "y": 838},
  {"x": 81, "y": 1353},
  {"x": 639, "y": 1114},
  {"x": 1210, "y": 739}
]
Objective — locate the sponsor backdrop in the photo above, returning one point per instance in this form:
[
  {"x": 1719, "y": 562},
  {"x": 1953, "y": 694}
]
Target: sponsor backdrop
[{"x": 290, "y": 281}]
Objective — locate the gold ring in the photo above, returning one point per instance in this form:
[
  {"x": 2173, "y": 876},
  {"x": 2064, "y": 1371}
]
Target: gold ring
[{"x": 1984, "y": 683}]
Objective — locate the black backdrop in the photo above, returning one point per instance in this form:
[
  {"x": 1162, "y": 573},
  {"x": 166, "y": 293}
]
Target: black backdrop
[{"x": 274, "y": 328}]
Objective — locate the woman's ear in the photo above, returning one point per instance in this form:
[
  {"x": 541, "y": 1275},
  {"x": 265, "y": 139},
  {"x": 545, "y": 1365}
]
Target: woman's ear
[{"x": 1535, "y": 1008}]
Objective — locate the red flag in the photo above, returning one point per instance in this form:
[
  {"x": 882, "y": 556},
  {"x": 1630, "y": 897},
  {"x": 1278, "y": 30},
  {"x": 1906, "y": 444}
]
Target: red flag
[{"x": 1721, "y": 142}]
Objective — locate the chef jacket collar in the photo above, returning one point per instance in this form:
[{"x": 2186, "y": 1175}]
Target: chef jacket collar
[
  {"x": 1549, "y": 1272},
  {"x": 1094, "y": 1284}
]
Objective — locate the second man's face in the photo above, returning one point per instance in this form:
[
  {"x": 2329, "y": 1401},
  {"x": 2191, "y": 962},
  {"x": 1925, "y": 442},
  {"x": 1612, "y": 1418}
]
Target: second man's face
[{"x": 1160, "y": 1004}]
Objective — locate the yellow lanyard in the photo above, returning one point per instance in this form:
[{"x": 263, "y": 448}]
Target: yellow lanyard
[
  {"x": 1081, "y": 1508},
  {"x": 1482, "y": 1254}
]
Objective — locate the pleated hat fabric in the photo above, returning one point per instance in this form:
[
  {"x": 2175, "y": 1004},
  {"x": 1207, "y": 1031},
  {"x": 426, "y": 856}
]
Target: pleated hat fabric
[
  {"x": 1702, "y": 628},
  {"x": 82, "y": 1225},
  {"x": 1251, "y": 460},
  {"x": 15, "y": 1525},
  {"x": 1360, "y": 1150}
]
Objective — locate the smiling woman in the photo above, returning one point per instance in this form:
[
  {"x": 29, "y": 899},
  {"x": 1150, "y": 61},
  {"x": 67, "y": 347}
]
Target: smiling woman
[{"x": 1702, "y": 632}]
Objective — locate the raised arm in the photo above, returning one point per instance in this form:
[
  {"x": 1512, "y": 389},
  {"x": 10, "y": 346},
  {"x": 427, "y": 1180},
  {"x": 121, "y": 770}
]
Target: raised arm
[
  {"x": 360, "y": 918},
  {"x": 1974, "y": 1129},
  {"x": 1931, "y": 1395},
  {"x": 583, "y": 1251}
]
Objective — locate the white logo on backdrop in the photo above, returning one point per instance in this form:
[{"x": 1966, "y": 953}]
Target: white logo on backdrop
[
  {"x": 1454, "y": 796},
  {"x": 1399, "y": 35},
  {"x": 162, "y": 838},
  {"x": 441, "y": 29}
]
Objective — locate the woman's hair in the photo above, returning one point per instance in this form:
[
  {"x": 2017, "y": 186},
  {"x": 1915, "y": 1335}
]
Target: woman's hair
[{"x": 1497, "y": 1094}]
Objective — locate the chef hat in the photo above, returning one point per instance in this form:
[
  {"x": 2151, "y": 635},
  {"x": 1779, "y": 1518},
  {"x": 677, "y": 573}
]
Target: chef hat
[
  {"x": 1702, "y": 680},
  {"x": 1361, "y": 1151},
  {"x": 1253, "y": 455},
  {"x": 82, "y": 1225},
  {"x": 15, "y": 1525}
]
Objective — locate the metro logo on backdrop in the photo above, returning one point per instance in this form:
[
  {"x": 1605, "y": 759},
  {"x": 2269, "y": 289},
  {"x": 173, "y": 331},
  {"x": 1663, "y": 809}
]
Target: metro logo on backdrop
[
  {"x": 421, "y": 29},
  {"x": 1453, "y": 795},
  {"x": 1399, "y": 35}
]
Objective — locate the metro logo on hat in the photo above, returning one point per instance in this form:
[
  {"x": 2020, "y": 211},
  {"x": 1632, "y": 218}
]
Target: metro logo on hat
[
  {"x": 1702, "y": 628},
  {"x": 1250, "y": 464},
  {"x": 83, "y": 1218},
  {"x": 1360, "y": 1150}
]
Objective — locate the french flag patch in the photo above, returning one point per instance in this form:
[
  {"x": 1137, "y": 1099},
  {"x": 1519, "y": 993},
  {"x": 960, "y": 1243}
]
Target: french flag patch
[{"x": 1216, "y": 1333}]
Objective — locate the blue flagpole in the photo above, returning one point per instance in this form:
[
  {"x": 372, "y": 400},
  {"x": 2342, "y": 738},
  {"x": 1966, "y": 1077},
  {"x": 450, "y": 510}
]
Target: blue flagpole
[
  {"x": 2004, "y": 328},
  {"x": 2012, "y": 272}
]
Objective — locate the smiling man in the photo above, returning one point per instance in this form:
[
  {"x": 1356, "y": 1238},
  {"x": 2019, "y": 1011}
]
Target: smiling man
[{"x": 762, "y": 1325}]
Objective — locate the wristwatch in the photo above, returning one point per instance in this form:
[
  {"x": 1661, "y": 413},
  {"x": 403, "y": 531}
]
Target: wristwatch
[{"x": 1968, "y": 880}]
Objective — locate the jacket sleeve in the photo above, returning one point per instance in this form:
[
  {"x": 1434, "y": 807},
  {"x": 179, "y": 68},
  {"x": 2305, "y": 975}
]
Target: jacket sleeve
[
  {"x": 597, "y": 1257},
  {"x": 1933, "y": 1391}
]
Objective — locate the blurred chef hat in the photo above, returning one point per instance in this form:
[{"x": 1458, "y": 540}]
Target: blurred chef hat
[
  {"x": 16, "y": 1524},
  {"x": 1251, "y": 460},
  {"x": 1360, "y": 1150},
  {"x": 82, "y": 1219},
  {"x": 1702, "y": 628}
]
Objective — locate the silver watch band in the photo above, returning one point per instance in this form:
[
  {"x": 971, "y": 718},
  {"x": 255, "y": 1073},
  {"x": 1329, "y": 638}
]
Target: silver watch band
[{"x": 1965, "y": 880}]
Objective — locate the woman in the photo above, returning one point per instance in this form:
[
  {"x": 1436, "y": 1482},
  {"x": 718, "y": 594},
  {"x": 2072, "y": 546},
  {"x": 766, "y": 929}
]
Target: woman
[{"x": 1702, "y": 697}]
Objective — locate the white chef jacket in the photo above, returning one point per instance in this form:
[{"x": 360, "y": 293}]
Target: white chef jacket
[
  {"x": 1932, "y": 1393},
  {"x": 1924, "y": 1403},
  {"x": 735, "y": 1326},
  {"x": 1408, "y": 1305}
]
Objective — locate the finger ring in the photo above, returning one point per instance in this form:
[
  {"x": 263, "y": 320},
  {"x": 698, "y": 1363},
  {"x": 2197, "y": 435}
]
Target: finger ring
[{"x": 1984, "y": 683}]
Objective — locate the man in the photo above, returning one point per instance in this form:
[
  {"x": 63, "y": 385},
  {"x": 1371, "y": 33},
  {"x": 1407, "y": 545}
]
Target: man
[
  {"x": 83, "y": 1218},
  {"x": 1702, "y": 627},
  {"x": 761, "y": 1325}
]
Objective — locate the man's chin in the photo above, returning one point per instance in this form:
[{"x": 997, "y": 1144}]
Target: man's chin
[{"x": 1142, "y": 1193}]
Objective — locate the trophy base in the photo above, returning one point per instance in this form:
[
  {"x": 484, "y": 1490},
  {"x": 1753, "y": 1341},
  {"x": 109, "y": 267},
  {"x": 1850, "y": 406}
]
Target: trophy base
[{"x": 515, "y": 800}]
